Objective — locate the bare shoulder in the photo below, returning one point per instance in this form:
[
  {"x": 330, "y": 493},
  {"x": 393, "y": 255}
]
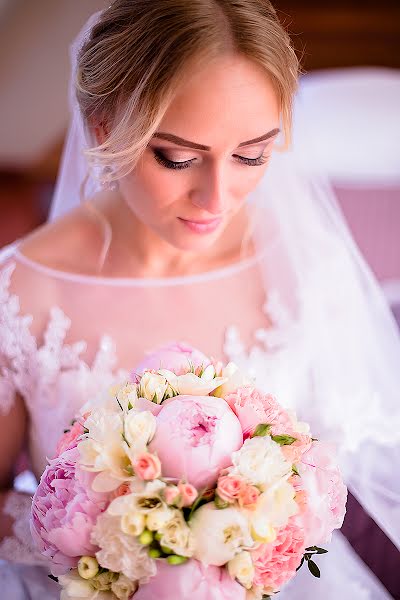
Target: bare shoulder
[{"x": 72, "y": 243}]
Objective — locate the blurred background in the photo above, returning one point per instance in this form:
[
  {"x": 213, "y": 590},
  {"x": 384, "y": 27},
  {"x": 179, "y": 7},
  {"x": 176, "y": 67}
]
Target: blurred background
[{"x": 350, "y": 52}]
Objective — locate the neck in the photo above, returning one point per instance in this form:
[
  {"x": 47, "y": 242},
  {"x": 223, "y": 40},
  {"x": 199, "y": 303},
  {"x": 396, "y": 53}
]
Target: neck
[{"x": 137, "y": 249}]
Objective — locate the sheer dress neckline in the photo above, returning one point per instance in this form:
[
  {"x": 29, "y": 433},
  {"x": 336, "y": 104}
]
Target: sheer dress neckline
[{"x": 205, "y": 276}]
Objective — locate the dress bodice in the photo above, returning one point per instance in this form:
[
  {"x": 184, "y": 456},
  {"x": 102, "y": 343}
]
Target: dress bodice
[{"x": 64, "y": 337}]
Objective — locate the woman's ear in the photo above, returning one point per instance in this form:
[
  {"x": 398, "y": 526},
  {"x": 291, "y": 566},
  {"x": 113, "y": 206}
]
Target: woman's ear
[{"x": 100, "y": 131}]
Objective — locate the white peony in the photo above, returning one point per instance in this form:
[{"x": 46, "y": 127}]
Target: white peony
[
  {"x": 261, "y": 462},
  {"x": 176, "y": 535},
  {"x": 153, "y": 386},
  {"x": 192, "y": 385},
  {"x": 120, "y": 552},
  {"x": 234, "y": 379},
  {"x": 139, "y": 429},
  {"x": 219, "y": 534},
  {"x": 241, "y": 568}
]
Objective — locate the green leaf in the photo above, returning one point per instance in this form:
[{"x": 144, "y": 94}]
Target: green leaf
[
  {"x": 316, "y": 549},
  {"x": 313, "y": 567},
  {"x": 262, "y": 430},
  {"x": 283, "y": 440},
  {"x": 295, "y": 471}
]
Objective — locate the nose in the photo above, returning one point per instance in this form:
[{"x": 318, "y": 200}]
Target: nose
[{"x": 211, "y": 194}]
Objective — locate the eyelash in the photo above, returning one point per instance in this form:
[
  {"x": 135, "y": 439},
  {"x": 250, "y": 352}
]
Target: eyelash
[{"x": 170, "y": 164}]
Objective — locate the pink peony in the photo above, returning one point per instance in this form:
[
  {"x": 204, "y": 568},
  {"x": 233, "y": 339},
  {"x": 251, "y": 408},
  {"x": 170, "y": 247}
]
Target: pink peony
[
  {"x": 276, "y": 562},
  {"x": 64, "y": 511},
  {"x": 326, "y": 493},
  {"x": 252, "y": 408},
  {"x": 195, "y": 439},
  {"x": 176, "y": 357},
  {"x": 191, "y": 580},
  {"x": 70, "y": 438},
  {"x": 229, "y": 488},
  {"x": 147, "y": 466}
]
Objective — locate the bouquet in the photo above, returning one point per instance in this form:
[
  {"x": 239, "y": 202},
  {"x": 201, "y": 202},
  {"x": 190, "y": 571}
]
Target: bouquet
[{"x": 185, "y": 482}]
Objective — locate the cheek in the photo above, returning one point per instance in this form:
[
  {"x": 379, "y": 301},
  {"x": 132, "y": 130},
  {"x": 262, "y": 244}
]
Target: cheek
[{"x": 150, "y": 189}]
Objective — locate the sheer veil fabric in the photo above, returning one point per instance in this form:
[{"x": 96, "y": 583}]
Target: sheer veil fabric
[{"x": 335, "y": 356}]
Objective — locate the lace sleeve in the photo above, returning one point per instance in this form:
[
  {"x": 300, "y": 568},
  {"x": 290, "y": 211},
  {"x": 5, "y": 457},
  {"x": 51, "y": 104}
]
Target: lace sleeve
[{"x": 16, "y": 344}]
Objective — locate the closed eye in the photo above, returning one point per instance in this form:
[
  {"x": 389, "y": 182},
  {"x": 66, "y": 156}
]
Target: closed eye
[{"x": 170, "y": 164}]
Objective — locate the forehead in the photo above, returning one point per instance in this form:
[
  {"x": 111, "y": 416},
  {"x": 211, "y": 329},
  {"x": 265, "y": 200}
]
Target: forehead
[{"x": 229, "y": 100}]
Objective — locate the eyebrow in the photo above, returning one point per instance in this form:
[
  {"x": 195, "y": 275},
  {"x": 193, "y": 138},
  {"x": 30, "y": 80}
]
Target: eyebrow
[{"x": 181, "y": 142}]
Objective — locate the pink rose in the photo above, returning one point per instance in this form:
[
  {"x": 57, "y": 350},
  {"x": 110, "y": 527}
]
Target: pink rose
[
  {"x": 248, "y": 496},
  {"x": 229, "y": 488},
  {"x": 252, "y": 408},
  {"x": 195, "y": 439},
  {"x": 191, "y": 580},
  {"x": 70, "y": 438},
  {"x": 64, "y": 511},
  {"x": 172, "y": 495},
  {"x": 326, "y": 493},
  {"x": 147, "y": 466},
  {"x": 177, "y": 357},
  {"x": 188, "y": 494},
  {"x": 275, "y": 563}
]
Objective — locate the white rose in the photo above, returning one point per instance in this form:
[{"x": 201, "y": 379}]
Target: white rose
[
  {"x": 139, "y": 429},
  {"x": 261, "y": 462},
  {"x": 158, "y": 518},
  {"x": 123, "y": 588},
  {"x": 177, "y": 535},
  {"x": 133, "y": 523},
  {"x": 127, "y": 396},
  {"x": 153, "y": 387},
  {"x": 241, "y": 568},
  {"x": 279, "y": 502},
  {"x": 234, "y": 380},
  {"x": 192, "y": 385},
  {"x": 219, "y": 534}
]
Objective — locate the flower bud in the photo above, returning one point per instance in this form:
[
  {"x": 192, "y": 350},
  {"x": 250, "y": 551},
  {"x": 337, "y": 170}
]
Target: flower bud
[
  {"x": 88, "y": 567},
  {"x": 174, "y": 559},
  {"x": 146, "y": 537}
]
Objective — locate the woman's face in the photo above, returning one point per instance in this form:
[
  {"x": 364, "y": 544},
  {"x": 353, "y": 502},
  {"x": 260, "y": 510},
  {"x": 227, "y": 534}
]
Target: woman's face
[{"x": 179, "y": 184}]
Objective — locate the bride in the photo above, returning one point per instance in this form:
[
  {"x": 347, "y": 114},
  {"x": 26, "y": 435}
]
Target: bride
[{"x": 180, "y": 214}]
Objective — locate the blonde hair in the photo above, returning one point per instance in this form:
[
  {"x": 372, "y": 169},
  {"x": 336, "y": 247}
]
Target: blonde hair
[{"x": 140, "y": 51}]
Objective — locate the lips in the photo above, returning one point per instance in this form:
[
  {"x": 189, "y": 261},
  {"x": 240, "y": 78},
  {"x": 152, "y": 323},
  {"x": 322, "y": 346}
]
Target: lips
[{"x": 202, "y": 226}]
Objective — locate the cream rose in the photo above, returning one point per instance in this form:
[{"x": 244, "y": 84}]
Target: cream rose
[
  {"x": 153, "y": 386},
  {"x": 176, "y": 535},
  {"x": 139, "y": 429},
  {"x": 192, "y": 385},
  {"x": 241, "y": 568},
  {"x": 234, "y": 379}
]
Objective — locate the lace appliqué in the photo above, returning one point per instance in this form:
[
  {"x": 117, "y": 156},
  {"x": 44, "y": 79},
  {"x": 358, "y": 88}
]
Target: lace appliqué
[
  {"x": 33, "y": 370},
  {"x": 20, "y": 547}
]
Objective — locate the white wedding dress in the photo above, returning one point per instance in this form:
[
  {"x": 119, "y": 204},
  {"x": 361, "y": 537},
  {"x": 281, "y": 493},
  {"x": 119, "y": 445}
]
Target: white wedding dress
[{"x": 63, "y": 336}]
